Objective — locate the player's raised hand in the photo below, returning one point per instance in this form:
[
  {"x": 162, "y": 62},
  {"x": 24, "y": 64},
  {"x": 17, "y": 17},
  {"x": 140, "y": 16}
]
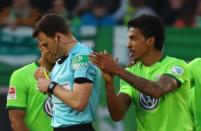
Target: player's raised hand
[
  {"x": 105, "y": 62},
  {"x": 107, "y": 77}
]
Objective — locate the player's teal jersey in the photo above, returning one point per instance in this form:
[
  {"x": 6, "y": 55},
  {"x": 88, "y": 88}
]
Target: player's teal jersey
[{"x": 75, "y": 66}]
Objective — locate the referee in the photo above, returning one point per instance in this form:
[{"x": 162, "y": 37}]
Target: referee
[{"x": 73, "y": 83}]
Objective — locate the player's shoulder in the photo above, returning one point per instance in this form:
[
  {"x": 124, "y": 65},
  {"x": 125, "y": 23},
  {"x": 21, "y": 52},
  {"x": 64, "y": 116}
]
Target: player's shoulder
[
  {"x": 195, "y": 61},
  {"x": 174, "y": 61},
  {"x": 194, "y": 66},
  {"x": 133, "y": 67},
  {"x": 24, "y": 70}
]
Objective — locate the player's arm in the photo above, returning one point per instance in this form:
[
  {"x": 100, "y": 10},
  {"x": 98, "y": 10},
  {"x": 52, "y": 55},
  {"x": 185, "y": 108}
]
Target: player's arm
[
  {"x": 17, "y": 119},
  {"x": 117, "y": 104},
  {"x": 155, "y": 89},
  {"x": 78, "y": 98},
  {"x": 16, "y": 101}
]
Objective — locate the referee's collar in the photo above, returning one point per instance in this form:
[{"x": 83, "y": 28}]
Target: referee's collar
[{"x": 62, "y": 59}]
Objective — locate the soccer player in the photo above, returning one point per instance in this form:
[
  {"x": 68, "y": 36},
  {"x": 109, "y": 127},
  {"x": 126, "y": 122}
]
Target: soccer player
[
  {"x": 158, "y": 85},
  {"x": 29, "y": 109},
  {"x": 73, "y": 79},
  {"x": 195, "y": 72}
]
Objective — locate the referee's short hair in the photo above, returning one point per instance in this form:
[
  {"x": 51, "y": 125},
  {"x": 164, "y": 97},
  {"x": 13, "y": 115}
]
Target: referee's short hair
[
  {"x": 50, "y": 24},
  {"x": 150, "y": 26}
]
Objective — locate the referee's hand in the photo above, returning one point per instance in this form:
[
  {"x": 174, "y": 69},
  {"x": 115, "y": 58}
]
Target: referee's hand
[{"x": 43, "y": 84}]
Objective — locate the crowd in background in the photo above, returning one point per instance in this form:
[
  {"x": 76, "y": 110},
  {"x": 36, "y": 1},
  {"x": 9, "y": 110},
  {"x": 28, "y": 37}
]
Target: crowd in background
[
  {"x": 177, "y": 13},
  {"x": 19, "y": 16}
]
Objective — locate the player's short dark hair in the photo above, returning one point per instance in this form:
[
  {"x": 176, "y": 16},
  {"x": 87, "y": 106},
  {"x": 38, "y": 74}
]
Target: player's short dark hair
[
  {"x": 50, "y": 24},
  {"x": 150, "y": 26}
]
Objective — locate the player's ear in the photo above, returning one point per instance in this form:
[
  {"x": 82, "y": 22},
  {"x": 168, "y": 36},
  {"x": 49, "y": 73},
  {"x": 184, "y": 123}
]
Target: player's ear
[{"x": 150, "y": 41}]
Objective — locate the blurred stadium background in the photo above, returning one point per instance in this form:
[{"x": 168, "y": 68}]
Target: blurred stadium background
[{"x": 101, "y": 24}]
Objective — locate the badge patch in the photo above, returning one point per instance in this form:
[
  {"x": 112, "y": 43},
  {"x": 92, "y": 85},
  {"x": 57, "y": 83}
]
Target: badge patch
[
  {"x": 48, "y": 106},
  {"x": 12, "y": 93},
  {"x": 177, "y": 70},
  {"x": 148, "y": 102},
  {"x": 80, "y": 61}
]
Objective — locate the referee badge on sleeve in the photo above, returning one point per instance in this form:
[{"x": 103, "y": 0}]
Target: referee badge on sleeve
[
  {"x": 80, "y": 61},
  {"x": 12, "y": 93}
]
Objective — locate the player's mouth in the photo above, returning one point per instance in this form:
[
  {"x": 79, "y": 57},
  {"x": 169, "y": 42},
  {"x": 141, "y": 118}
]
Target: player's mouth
[
  {"x": 132, "y": 53},
  {"x": 132, "y": 57}
]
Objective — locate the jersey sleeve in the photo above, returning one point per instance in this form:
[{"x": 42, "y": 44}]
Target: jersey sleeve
[
  {"x": 16, "y": 97},
  {"x": 191, "y": 71},
  {"x": 178, "y": 70},
  {"x": 194, "y": 70},
  {"x": 126, "y": 88},
  {"x": 83, "y": 67}
]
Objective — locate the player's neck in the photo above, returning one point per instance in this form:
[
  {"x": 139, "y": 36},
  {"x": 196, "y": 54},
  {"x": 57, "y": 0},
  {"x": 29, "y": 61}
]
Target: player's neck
[{"x": 152, "y": 58}]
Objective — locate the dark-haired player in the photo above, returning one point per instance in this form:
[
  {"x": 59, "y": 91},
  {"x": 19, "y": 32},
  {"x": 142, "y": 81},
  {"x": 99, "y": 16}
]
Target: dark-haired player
[{"x": 158, "y": 85}]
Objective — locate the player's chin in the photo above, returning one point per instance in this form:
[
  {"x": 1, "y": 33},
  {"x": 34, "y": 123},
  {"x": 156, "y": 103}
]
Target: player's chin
[
  {"x": 135, "y": 59},
  {"x": 52, "y": 62},
  {"x": 132, "y": 56},
  {"x": 54, "y": 59}
]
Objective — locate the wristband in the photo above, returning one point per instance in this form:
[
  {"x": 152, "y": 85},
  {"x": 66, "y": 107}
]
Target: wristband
[{"x": 51, "y": 86}]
